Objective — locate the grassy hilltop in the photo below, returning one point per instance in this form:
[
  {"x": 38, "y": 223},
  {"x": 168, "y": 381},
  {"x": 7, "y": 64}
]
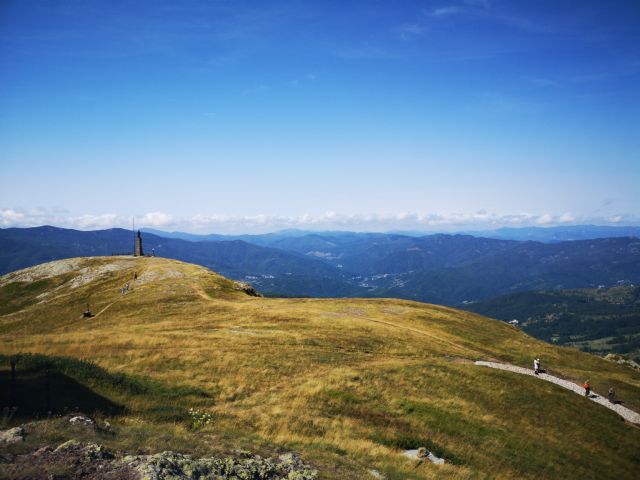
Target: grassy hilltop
[{"x": 346, "y": 383}]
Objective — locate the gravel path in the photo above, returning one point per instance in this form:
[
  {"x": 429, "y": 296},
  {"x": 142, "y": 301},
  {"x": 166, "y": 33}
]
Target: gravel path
[{"x": 624, "y": 412}]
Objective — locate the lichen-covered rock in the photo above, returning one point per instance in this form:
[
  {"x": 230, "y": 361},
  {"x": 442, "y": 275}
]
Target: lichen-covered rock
[
  {"x": 68, "y": 445},
  {"x": 90, "y": 451},
  {"x": 92, "y": 461},
  {"x": 296, "y": 468},
  {"x": 13, "y": 435},
  {"x": 174, "y": 466},
  {"x": 93, "y": 451},
  {"x": 165, "y": 465}
]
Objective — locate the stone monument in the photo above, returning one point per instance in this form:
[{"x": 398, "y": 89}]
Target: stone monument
[{"x": 138, "y": 248}]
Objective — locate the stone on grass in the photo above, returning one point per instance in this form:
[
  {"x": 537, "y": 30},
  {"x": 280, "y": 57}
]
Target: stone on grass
[
  {"x": 423, "y": 454},
  {"x": 13, "y": 435},
  {"x": 82, "y": 420}
]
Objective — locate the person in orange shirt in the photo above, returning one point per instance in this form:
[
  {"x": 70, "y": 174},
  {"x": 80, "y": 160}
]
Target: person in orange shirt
[{"x": 587, "y": 389}]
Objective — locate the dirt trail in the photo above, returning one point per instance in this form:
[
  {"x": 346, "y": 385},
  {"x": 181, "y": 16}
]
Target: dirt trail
[
  {"x": 200, "y": 291},
  {"x": 103, "y": 310},
  {"x": 624, "y": 412}
]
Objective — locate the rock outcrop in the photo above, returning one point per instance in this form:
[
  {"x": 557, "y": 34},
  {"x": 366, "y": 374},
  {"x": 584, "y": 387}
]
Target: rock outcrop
[
  {"x": 13, "y": 435},
  {"x": 174, "y": 465},
  {"x": 89, "y": 460},
  {"x": 620, "y": 360},
  {"x": 248, "y": 289}
]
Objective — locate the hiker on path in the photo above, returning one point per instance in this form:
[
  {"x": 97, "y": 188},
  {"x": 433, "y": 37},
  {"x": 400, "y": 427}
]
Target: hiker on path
[
  {"x": 536, "y": 366},
  {"x": 612, "y": 395},
  {"x": 587, "y": 389}
]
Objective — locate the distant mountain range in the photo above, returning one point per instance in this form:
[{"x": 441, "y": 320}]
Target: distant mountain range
[
  {"x": 559, "y": 234},
  {"x": 538, "y": 234},
  {"x": 445, "y": 269}
]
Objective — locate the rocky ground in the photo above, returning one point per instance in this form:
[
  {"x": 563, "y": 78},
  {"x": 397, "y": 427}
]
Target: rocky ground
[{"x": 81, "y": 460}]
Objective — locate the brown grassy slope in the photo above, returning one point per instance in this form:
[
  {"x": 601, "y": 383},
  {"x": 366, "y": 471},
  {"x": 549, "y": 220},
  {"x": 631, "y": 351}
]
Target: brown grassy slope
[{"x": 346, "y": 382}]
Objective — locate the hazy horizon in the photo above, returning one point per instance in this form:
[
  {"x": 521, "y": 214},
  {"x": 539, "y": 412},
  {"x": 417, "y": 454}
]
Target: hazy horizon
[{"x": 452, "y": 230}]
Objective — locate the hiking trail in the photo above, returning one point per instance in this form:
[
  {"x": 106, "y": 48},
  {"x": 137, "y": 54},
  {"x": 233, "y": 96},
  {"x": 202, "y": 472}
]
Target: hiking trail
[
  {"x": 626, "y": 413},
  {"x": 103, "y": 310}
]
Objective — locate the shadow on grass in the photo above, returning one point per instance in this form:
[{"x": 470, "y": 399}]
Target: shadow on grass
[
  {"x": 44, "y": 392},
  {"x": 52, "y": 384}
]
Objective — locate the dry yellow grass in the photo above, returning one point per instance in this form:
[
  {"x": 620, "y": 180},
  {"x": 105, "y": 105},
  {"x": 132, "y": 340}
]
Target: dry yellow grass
[{"x": 347, "y": 383}]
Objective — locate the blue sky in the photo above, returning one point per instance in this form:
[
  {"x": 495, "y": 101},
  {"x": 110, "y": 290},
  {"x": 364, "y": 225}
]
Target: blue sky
[{"x": 233, "y": 116}]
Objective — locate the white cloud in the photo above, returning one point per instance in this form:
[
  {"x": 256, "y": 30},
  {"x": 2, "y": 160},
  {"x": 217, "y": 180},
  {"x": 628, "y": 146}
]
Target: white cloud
[
  {"x": 566, "y": 218},
  {"x": 156, "y": 219},
  {"x": 544, "y": 219},
  {"x": 10, "y": 217},
  {"x": 90, "y": 222},
  {"x": 204, "y": 223}
]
